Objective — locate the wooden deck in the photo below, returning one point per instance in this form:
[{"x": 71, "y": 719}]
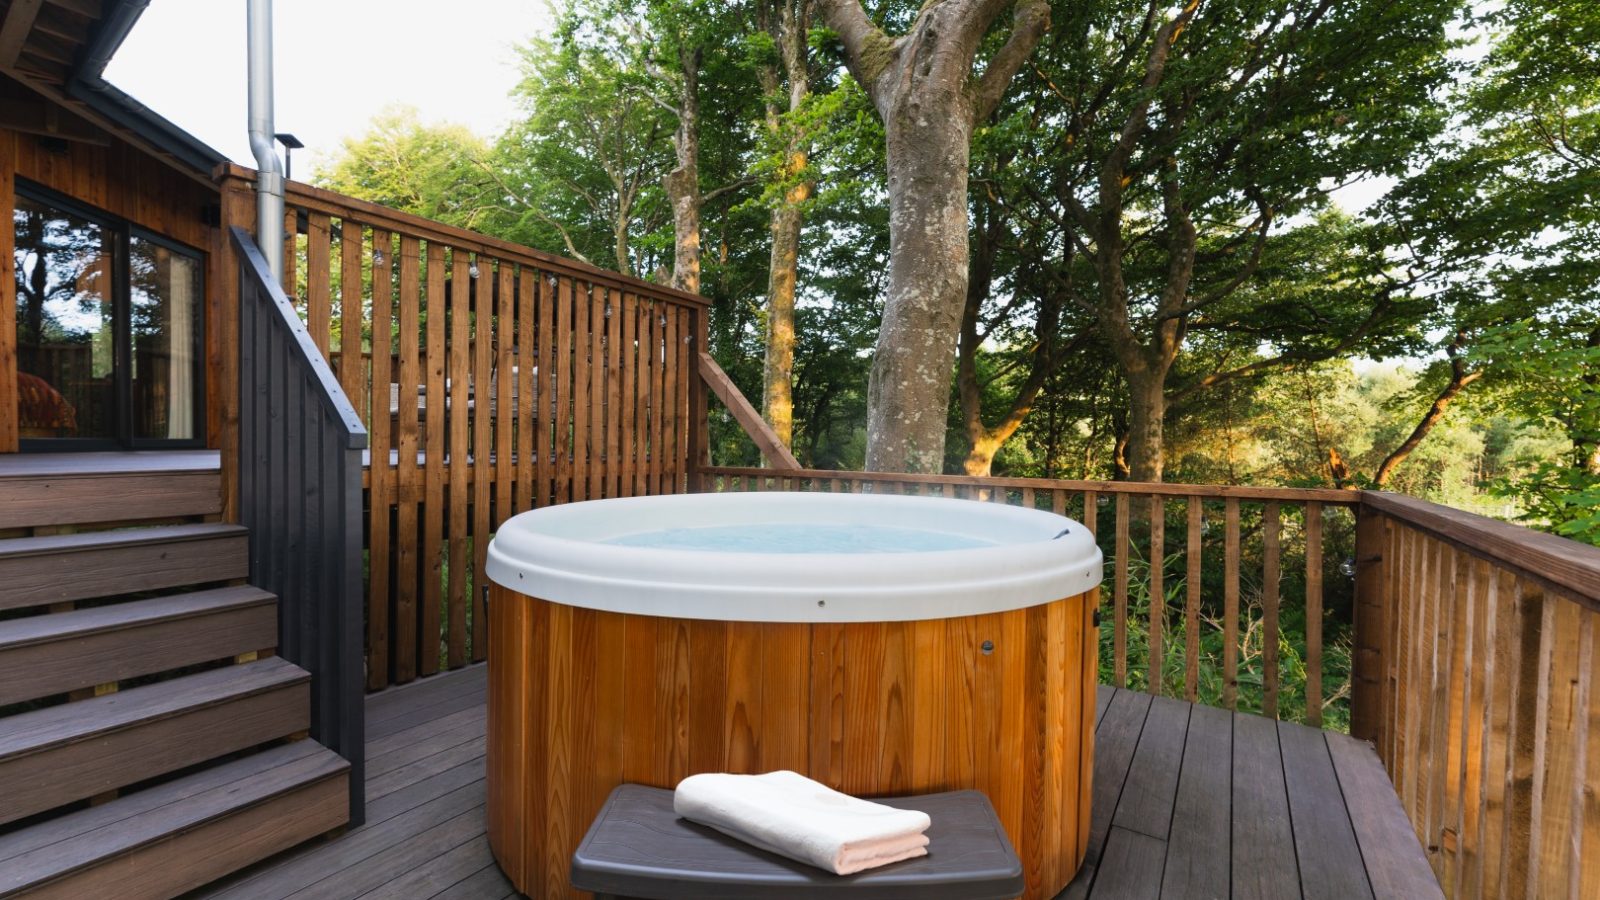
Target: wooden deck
[{"x": 1189, "y": 802}]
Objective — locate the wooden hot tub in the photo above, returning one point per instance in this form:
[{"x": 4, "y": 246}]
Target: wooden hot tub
[{"x": 875, "y": 673}]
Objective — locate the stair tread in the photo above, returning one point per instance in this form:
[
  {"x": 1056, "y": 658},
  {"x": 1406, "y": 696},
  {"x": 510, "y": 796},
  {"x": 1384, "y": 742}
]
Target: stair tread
[
  {"x": 117, "y": 462},
  {"x": 81, "y": 839},
  {"x": 78, "y": 623},
  {"x": 57, "y": 725},
  {"x": 127, "y": 537}
]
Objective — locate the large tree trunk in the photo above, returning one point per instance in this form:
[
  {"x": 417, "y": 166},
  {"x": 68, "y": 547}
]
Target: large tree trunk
[
  {"x": 924, "y": 89},
  {"x": 1147, "y": 411},
  {"x": 908, "y": 395},
  {"x": 778, "y": 374},
  {"x": 789, "y": 31},
  {"x": 683, "y": 182}
]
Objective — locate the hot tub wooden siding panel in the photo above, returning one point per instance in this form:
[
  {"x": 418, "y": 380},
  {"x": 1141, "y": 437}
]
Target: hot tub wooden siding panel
[{"x": 580, "y": 701}]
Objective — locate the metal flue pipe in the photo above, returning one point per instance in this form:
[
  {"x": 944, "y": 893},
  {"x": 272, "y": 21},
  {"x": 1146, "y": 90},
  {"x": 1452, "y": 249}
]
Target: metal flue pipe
[{"x": 269, "y": 178}]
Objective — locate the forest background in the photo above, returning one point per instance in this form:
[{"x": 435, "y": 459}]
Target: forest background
[{"x": 1290, "y": 242}]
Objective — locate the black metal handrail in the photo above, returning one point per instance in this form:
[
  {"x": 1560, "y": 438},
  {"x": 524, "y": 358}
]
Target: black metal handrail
[{"x": 300, "y": 448}]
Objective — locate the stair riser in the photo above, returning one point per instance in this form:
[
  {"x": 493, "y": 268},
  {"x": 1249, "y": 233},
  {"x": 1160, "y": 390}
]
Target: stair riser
[
  {"x": 54, "y": 667},
  {"x": 57, "y": 775},
  {"x": 102, "y": 572},
  {"x": 210, "y": 851},
  {"x": 33, "y": 502}
]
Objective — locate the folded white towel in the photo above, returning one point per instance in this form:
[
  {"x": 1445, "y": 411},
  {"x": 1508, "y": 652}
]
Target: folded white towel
[{"x": 789, "y": 814}]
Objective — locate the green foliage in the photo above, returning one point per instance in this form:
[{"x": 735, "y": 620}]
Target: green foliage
[
  {"x": 1485, "y": 117},
  {"x": 436, "y": 171}
]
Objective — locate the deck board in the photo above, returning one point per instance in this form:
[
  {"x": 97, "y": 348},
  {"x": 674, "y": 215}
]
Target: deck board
[{"x": 1192, "y": 802}]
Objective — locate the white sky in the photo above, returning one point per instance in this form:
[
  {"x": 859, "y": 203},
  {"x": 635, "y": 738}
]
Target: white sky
[{"x": 338, "y": 63}]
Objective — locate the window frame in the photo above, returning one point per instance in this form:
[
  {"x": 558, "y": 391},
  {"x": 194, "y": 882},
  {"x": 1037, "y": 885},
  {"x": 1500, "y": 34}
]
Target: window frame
[{"x": 121, "y": 233}]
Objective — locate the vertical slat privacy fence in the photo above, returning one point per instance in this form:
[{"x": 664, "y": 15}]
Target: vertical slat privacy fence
[
  {"x": 300, "y": 496},
  {"x": 1198, "y": 616},
  {"x": 1476, "y": 674},
  {"x": 493, "y": 379}
]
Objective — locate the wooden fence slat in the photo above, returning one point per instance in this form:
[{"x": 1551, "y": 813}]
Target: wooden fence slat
[
  {"x": 672, "y": 345},
  {"x": 291, "y": 256},
  {"x": 1462, "y": 816},
  {"x": 382, "y": 493},
  {"x": 1468, "y": 790},
  {"x": 1501, "y": 724},
  {"x": 1557, "y": 827},
  {"x": 544, "y": 412},
  {"x": 1434, "y": 750},
  {"x": 404, "y": 643},
  {"x": 614, "y": 407},
  {"x": 596, "y": 409},
  {"x": 1394, "y": 620},
  {"x": 629, "y": 313},
  {"x": 1120, "y": 595},
  {"x": 1191, "y": 617},
  {"x": 1230, "y": 605},
  {"x": 1446, "y": 803},
  {"x": 1314, "y": 614},
  {"x": 1158, "y": 594},
  {"x": 1584, "y": 880},
  {"x": 1271, "y": 525},
  {"x": 563, "y": 360},
  {"x": 483, "y": 470},
  {"x": 319, "y": 275},
  {"x": 658, "y": 323},
  {"x": 528, "y": 418},
  {"x": 1409, "y": 652},
  {"x": 507, "y": 464},
  {"x": 1481, "y": 869},
  {"x": 1525, "y": 751},
  {"x": 581, "y": 410},
  {"x": 435, "y": 405},
  {"x": 352, "y": 369},
  {"x": 687, "y": 354},
  {"x": 460, "y": 416}
]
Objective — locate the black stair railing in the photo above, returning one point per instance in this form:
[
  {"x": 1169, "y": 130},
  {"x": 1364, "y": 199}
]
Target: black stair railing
[{"x": 300, "y": 458}]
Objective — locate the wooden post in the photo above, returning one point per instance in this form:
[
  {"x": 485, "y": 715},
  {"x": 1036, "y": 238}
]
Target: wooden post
[
  {"x": 699, "y": 409},
  {"x": 238, "y": 205},
  {"x": 1366, "y": 677},
  {"x": 9, "y": 426}
]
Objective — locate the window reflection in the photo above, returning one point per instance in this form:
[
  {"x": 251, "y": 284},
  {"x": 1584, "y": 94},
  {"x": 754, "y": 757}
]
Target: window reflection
[
  {"x": 66, "y": 347},
  {"x": 164, "y": 287}
]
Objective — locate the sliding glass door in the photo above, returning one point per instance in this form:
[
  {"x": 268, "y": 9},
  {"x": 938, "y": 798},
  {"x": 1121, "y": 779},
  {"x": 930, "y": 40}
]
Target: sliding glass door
[{"x": 108, "y": 324}]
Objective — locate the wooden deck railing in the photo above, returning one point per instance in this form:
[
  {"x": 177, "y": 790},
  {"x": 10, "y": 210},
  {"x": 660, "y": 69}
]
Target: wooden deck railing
[
  {"x": 1162, "y": 636},
  {"x": 300, "y": 496},
  {"x": 1474, "y": 663},
  {"x": 492, "y": 378},
  {"x": 1476, "y": 674}
]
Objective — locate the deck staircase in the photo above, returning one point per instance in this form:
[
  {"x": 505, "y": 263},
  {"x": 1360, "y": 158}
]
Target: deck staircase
[{"x": 150, "y": 741}]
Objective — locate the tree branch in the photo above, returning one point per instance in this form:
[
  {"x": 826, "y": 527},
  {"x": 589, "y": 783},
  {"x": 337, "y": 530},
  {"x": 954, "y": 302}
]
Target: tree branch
[
  {"x": 1460, "y": 378},
  {"x": 1031, "y": 19},
  {"x": 867, "y": 50}
]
